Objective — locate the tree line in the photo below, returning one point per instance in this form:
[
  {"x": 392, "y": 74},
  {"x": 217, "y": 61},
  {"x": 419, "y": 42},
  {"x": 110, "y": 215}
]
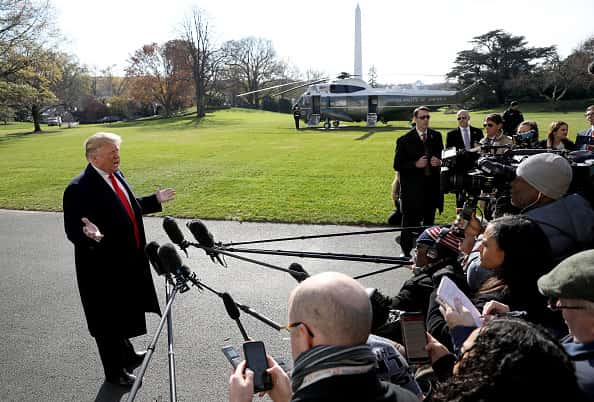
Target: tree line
[{"x": 192, "y": 71}]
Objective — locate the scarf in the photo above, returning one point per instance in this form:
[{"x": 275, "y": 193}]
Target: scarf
[{"x": 328, "y": 361}]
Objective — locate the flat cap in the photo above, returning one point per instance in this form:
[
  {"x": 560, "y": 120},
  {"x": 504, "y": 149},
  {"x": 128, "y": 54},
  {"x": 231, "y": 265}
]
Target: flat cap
[{"x": 572, "y": 278}]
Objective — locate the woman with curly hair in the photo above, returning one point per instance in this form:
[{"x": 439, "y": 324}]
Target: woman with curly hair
[{"x": 507, "y": 359}]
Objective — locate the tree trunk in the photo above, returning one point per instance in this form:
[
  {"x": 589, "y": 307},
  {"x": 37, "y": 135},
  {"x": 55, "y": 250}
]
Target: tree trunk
[{"x": 36, "y": 118}]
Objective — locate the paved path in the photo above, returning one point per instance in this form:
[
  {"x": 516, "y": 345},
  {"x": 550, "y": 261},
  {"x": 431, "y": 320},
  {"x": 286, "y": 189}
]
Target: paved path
[{"x": 46, "y": 353}]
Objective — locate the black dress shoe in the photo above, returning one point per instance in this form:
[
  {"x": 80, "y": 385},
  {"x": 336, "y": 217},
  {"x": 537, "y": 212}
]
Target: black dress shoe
[
  {"x": 136, "y": 360},
  {"x": 123, "y": 379}
]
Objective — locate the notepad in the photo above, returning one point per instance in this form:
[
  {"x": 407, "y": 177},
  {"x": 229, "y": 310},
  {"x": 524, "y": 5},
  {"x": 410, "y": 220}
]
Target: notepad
[{"x": 448, "y": 292}]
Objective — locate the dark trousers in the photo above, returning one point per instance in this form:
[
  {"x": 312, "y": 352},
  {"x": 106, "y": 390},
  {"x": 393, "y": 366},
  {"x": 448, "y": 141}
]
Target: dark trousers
[
  {"x": 296, "y": 123},
  {"x": 116, "y": 353},
  {"x": 414, "y": 217}
]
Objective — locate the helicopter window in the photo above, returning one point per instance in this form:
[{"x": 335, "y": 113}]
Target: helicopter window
[
  {"x": 344, "y": 89},
  {"x": 353, "y": 88}
]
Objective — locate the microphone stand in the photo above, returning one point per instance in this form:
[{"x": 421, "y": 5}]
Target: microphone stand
[
  {"x": 169, "y": 289},
  {"x": 179, "y": 286},
  {"x": 246, "y": 309}
]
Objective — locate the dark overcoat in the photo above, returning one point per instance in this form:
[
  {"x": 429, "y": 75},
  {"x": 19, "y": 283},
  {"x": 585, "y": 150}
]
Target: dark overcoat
[
  {"x": 113, "y": 275},
  {"x": 418, "y": 191}
]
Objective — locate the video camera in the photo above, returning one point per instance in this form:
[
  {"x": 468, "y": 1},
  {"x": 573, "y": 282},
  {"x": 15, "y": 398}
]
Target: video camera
[
  {"x": 488, "y": 178},
  {"x": 528, "y": 139}
]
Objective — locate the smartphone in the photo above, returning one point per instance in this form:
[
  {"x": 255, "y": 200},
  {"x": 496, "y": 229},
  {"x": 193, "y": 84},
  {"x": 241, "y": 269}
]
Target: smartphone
[
  {"x": 255, "y": 357},
  {"x": 232, "y": 355},
  {"x": 414, "y": 337}
]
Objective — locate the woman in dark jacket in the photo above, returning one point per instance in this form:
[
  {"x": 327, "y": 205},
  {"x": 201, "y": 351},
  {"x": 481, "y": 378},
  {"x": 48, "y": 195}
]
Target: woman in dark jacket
[
  {"x": 518, "y": 253},
  {"x": 557, "y": 137}
]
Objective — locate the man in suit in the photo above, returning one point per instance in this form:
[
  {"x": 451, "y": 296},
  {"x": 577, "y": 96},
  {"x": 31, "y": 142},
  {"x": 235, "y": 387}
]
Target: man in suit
[
  {"x": 464, "y": 136},
  {"x": 103, "y": 219},
  {"x": 418, "y": 160},
  {"x": 585, "y": 138}
]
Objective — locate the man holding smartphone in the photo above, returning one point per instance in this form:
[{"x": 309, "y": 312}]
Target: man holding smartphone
[{"x": 329, "y": 323}]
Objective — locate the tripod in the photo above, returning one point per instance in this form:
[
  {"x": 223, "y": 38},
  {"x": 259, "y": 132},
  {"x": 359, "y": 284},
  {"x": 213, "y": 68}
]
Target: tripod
[{"x": 171, "y": 290}]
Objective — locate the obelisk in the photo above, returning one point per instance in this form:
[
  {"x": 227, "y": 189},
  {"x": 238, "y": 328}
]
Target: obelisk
[{"x": 358, "y": 55}]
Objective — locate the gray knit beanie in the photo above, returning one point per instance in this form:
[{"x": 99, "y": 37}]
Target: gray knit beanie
[{"x": 548, "y": 173}]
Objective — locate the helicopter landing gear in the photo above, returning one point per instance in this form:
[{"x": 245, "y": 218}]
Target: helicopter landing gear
[
  {"x": 335, "y": 123},
  {"x": 327, "y": 124}
]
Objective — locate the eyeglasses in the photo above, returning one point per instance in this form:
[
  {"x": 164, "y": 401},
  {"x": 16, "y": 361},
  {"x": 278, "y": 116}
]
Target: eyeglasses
[
  {"x": 424, "y": 117},
  {"x": 462, "y": 118},
  {"x": 488, "y": 125},
  {"x": 296, "y": 324},
  {"x": 552, "y": 305}
]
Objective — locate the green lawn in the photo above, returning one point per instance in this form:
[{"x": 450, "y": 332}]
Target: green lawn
[{"x": 234, "y": 164}]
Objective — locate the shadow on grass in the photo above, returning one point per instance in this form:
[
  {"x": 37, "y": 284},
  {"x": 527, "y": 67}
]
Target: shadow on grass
[{"x": 16, "y": 136}]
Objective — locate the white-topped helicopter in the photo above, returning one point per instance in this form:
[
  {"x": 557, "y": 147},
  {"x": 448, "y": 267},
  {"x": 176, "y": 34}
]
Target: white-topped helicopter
[{"x": 351, "y": 99}]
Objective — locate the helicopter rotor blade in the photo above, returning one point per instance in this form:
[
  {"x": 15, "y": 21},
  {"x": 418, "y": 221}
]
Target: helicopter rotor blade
[
  {"x": 269, "y": 88},
  {"x": 300, "y": 86}
]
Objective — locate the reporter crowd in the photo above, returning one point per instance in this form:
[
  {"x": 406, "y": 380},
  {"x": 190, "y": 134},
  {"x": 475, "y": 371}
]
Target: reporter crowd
[{"x": 528, "y": 273}]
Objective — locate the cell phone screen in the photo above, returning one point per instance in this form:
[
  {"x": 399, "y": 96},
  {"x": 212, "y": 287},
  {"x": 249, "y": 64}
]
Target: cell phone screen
[
  {"x": 414, "y": 336},
  {"x": 255, "y": 356}
]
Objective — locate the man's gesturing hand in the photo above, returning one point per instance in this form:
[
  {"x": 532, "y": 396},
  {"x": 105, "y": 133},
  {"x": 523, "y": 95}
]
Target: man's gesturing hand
[
  {"x": 165, "y": 194},
  {"x": 91, "y": 231}
]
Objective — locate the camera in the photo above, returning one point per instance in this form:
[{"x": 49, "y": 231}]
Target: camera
[
  {"x": 529, "y": 139},
  {"x": 488, "y": 178}
]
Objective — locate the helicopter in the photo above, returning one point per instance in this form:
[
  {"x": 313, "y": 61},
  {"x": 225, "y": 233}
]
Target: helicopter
[{"x": 350, "y": 99}]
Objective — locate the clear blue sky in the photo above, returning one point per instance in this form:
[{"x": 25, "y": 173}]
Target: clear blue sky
[{"x": 399, "y": 37}]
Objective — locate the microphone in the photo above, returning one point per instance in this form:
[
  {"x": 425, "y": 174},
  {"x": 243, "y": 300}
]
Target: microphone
[
  {"x": 151, "y": 251},
  {"x": 233, "y": 312},
  {"x": 298, "y": 272},
  {"x": 175, "y": 235},
  {"x": 204, "y": 239},
  {"x": 172, "y": 264},
  {"x": 201, "y": 233}
]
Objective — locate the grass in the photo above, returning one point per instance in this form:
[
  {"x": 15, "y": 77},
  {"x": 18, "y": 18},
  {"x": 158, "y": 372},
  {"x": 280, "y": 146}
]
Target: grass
[{"x": 234, "y": 164}]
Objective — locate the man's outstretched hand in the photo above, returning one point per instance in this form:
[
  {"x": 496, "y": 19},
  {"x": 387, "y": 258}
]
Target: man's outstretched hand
[
  {"x": 91, "y": 231},
  {"x": 165, "y": 194}
]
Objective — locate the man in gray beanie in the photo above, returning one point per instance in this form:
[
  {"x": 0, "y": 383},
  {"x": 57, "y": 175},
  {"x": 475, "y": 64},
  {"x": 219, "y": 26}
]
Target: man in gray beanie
[
  {"x": 570, "y": 287},
  {"x": 539, "y": 190}
]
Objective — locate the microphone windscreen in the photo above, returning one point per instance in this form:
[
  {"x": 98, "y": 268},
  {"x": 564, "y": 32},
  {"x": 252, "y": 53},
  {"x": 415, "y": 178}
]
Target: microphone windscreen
[
  {"x": 230, "y": 306},
  {"x": 201, "y": 233},
  {"x": 151, "y": 251},
  {"x": 172, "y": 230},
  {"x": 170, "y": 259},
  {"x": 298, "y": 268}
]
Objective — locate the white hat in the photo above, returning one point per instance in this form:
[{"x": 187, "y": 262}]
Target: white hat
[{"x": 548, "y": 173}]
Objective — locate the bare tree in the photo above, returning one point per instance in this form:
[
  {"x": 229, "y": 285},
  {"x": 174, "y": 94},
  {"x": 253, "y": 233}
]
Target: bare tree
[
  {"x": 255, "y": 62},
  {"x": 203, "y": 58}
]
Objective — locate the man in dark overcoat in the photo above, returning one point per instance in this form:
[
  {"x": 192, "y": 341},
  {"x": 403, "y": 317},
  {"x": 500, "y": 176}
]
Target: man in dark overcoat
[
  {"x": 418, "y": 159},
  {"x": 103, "y": 219}
]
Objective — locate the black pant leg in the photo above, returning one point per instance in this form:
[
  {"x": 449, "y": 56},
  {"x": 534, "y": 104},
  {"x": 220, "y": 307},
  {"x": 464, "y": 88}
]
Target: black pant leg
[
  {"x": 429, "y": 216},
  {"x": 111, "y": 351},
  {"x": 410, "y": 218}
]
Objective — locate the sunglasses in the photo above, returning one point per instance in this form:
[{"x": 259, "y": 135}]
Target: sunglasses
[
  {"x": 296, "y": 324},
  {"x": 462, "y": 118},
  {"x": 488, "y": 125},
  {"x": 425, "y": 117}
]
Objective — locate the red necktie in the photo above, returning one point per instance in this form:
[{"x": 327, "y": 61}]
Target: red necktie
[{"x": 127, "y": 206}]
